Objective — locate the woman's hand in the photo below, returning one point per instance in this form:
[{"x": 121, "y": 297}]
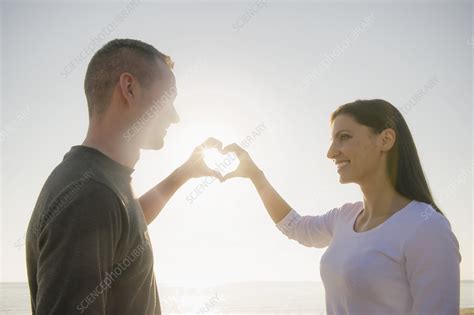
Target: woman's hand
[{"x": 247, "y": 167}]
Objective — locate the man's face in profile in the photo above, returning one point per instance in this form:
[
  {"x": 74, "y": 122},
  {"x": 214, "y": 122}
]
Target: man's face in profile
[{"x": 159, "y": 111}]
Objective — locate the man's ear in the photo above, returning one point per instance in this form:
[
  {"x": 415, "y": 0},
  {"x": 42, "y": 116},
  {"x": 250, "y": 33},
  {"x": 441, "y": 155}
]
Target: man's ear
[
  {"x": 127, "y": 86},
  {"x": 388, "y": 137}
]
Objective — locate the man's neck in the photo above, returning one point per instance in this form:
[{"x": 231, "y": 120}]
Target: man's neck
[{"x": 119, "y": 151}]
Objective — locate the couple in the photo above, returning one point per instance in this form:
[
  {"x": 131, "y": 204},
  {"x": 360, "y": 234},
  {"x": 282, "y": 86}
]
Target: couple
[{"x": 88, "y": 249}]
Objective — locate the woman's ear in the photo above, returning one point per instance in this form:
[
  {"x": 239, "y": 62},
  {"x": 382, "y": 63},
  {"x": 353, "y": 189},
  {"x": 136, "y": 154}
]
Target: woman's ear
[{"x": 388, "y": 139}]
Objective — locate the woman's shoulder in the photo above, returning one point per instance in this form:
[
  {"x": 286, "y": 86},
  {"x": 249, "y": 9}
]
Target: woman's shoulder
[
  {"x": 416, "y": 211},
  {"x": 424, "y": 215},
  {"x": 416, "y": 215},
  {"x": 350, "y": 206},
  {"x": 427, "y": 228},
  {"x": 349, "y": 209}
]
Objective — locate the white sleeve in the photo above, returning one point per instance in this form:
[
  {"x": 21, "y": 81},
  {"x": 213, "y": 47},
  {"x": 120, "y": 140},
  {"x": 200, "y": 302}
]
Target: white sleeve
[
  {"x": 311, "y": 231},
  {"x": 432, "y": 261}
]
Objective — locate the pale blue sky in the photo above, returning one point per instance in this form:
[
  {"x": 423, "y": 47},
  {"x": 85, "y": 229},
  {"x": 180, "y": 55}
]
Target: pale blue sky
[{"x": 286, "y": 65}]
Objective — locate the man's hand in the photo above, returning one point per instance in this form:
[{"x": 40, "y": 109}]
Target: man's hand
[
  {"x": 196, "y": 167},
  {"x": 153, "y": 201}
]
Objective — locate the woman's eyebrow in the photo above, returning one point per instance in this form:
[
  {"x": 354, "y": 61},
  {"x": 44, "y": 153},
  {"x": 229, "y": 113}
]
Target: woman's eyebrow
[{"x": 339, "y": 133}]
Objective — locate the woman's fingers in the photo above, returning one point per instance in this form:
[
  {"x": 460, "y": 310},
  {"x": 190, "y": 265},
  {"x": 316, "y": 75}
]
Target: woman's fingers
[
  {"x": 217, "y": 175},
  {"x": 235, "y": 148}
]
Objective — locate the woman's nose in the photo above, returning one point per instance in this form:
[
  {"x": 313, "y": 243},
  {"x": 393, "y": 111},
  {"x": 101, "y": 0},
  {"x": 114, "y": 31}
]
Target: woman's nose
[{"x": 331, "y": 152}]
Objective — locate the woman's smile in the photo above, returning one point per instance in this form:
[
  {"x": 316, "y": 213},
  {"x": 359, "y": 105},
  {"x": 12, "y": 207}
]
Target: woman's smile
[{"x": 341, "y": 165}]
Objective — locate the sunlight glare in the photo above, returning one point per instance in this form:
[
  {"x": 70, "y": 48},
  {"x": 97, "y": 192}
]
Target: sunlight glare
[{"x": 224, "y": 163}]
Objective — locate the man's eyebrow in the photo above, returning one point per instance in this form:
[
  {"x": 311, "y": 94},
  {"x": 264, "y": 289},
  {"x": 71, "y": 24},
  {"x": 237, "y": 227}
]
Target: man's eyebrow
[{"x": 340, "y": 132}]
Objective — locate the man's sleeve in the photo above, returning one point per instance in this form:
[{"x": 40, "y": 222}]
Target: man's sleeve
[{"x": 76, "y": 251}]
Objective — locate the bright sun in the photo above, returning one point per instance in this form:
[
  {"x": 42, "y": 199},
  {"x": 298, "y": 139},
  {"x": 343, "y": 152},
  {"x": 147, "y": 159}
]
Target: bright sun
[{"x": 224, "y": 163}]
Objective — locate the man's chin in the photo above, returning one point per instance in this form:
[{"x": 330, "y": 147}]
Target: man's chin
[{"x": 158, "y": 145}]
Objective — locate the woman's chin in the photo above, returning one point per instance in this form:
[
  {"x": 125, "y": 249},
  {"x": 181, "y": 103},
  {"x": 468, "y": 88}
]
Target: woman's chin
[{"x": 343, "y": 180}]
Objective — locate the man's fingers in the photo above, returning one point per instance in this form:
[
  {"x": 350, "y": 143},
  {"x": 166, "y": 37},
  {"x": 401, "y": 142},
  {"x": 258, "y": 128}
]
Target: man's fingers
[{"x": 212, "y": 143}]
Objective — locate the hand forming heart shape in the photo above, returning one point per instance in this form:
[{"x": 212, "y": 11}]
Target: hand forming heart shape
[
  {"x": 210, "y": 159},
  {"x": 223, "y": 163}
]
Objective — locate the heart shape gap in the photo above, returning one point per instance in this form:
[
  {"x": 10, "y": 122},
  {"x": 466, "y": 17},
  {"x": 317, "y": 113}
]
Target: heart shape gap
[{"x": 223, "y": 163}]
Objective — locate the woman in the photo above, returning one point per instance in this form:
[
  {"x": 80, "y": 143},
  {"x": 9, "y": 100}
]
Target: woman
[{"x": 392, "y": 253}]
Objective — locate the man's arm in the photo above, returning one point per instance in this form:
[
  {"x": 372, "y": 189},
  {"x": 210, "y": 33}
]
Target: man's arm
[
  {"x": 154, "y": 200},
  {"x": 76, "y": 250}
]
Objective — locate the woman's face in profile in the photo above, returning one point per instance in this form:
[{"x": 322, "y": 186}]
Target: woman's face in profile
[{"x": 356, "y": 144}]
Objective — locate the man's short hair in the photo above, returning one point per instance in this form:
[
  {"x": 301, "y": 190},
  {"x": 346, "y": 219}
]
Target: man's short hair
[{"x": 114, "y": 58}]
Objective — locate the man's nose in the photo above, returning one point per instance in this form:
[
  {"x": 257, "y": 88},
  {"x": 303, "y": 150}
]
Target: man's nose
[{"x": 174, "y": 116}]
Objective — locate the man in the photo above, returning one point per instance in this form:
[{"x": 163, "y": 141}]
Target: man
[{"x": 87, "y": 246}]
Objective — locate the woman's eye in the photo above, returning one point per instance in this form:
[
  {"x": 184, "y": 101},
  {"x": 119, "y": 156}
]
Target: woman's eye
[{"x": 344, "y": 136}]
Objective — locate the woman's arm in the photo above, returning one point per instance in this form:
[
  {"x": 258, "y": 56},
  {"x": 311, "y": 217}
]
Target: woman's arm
[
  {"x": 310, "y": 231},
  {"x": 276, "y": 206}
]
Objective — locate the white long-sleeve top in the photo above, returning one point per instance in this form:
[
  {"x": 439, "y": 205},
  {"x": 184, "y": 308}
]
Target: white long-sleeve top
[{"x": 409, "y": 264}]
